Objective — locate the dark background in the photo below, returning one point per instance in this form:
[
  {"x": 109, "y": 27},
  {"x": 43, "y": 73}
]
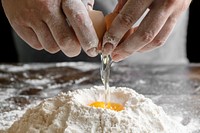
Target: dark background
[
  {"x": 8, "y": 52},
  {"x": 193, "y": 36}
]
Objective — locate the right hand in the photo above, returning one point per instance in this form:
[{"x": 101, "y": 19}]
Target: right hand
[
  {"x": 150, "y": 34},
  {"x": 42, "y": 24}
]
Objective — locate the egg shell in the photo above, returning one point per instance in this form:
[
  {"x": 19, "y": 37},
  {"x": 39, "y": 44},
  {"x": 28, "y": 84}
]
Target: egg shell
[
  {"x": 102, "y": 23},
  {"x": 109, "y": 18},
  {"x": 98, "y": 21}
]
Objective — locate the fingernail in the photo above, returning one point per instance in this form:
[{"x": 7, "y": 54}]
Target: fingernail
[
  {"x": 92, "y": 52},
  {"x": 107, "y": 49}
]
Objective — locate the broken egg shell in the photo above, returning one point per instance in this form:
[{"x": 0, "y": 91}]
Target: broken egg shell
[
  {"x": 102, "y": 23},
  {"x": 98, "y": 21}
]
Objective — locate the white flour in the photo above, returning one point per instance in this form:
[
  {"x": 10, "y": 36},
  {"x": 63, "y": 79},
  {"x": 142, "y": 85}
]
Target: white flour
[{"x": 70, "y": 113}]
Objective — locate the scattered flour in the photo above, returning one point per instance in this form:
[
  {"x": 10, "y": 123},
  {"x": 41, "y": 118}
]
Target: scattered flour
[{"x": 70, "y": 113}]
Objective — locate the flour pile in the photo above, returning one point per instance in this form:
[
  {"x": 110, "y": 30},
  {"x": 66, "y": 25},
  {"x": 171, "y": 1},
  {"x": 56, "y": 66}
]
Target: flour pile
[{"x": 70, "y": 113}]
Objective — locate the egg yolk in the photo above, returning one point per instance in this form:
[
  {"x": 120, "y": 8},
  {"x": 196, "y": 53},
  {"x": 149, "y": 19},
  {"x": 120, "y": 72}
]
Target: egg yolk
[{"x": 110, "y": 105}]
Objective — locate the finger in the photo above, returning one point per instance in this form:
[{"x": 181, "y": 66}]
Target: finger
[
  {"x": 45, "y": 37},
  {"x": 129, "y": 14},
  {"x": 167, "y": 28},
  {"x": 146, "y": 32},
  {"x": 82, "y": 25},
  {"x": 29, "y": 36},
  {"x": 162, "y": 36},
  {"x": 64, "y": 35}
]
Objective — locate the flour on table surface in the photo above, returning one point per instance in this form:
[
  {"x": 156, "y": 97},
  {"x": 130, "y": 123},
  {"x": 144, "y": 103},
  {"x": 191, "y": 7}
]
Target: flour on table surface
[{"x": 69, "y": 112}]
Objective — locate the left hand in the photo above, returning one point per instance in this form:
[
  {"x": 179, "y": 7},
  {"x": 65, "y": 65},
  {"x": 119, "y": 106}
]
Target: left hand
[{"x": 42, "y": 24}]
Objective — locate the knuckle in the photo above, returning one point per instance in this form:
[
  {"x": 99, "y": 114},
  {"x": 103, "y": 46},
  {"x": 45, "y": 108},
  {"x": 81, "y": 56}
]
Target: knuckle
[
  {"x": 169, "y": 3},
  {"x": 126, "y": 19},
  {"x": 45, "y": 5},
  {"x": 80, "y": 17},
  {"x": 157, "y": 42},
  {"x": 49, "y": 18},
  {"x": 48, "y": 10},
  {"x": 18, "y": 21},
  {"x": 147, "y": 37},
  {"x": 172, "y": 20}
]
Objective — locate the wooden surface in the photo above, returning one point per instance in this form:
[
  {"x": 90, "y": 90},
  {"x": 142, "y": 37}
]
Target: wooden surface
[{"x": 174, "y": 87}]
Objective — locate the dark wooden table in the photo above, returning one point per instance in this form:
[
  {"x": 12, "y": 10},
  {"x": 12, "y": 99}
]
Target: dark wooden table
[{"x": 174, "y": 87}]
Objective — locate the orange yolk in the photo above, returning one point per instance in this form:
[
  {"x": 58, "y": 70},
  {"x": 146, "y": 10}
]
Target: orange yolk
[{"x": 110, "y": 105}]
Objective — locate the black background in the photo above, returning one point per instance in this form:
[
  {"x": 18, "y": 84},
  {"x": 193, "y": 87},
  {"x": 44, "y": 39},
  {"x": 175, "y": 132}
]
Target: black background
[
  {"x": 7, "y": 50},
  {"x": 193, "y": 36}
]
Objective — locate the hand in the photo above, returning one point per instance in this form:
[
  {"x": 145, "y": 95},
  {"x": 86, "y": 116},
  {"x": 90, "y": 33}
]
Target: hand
[
  {"x": 43, "y": 24},
  {"x": 152, "y": 32}
]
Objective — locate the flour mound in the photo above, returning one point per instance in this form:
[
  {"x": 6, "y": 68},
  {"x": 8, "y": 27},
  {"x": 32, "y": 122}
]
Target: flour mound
[{"x": 70, "y": 113}]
